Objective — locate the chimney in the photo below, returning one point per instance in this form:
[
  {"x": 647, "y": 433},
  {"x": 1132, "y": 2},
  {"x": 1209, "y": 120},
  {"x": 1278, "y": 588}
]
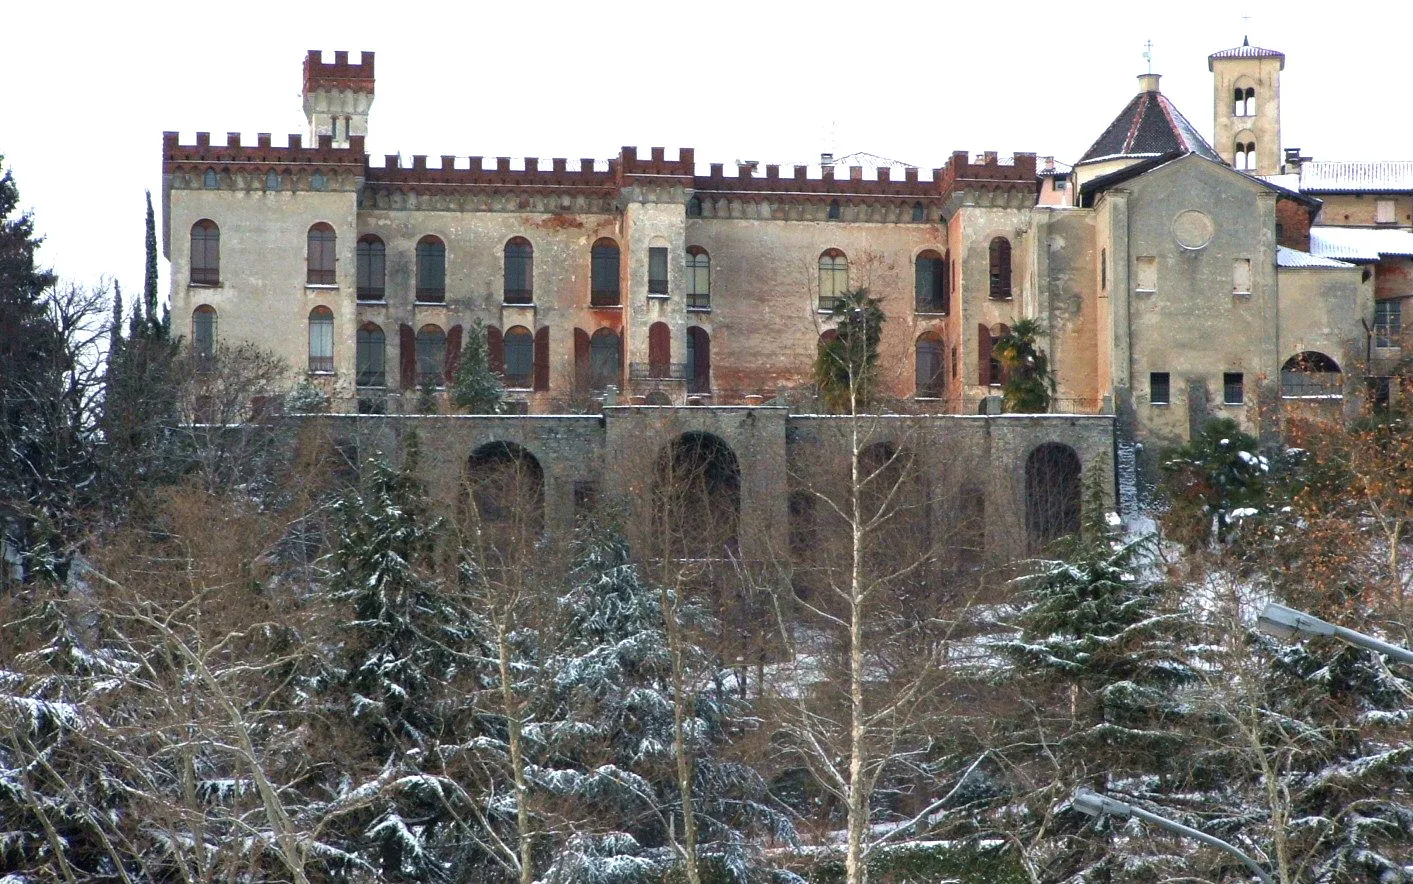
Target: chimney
[
  {"x": 1149, "y": 82},
  {"x": 826, "y": 159}
]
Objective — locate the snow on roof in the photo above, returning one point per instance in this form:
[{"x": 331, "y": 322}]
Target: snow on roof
[
  {"x": 1359, "y": 243},
  {"x": 1246, "y": 50},
  {"x": 868, "y": 161},
  {"x": 1333, "y": 176},
  {"x": 1289, "y": 180},
  {"x": 1294, "y": 258},
  {"x": 1149, "y": 125}
]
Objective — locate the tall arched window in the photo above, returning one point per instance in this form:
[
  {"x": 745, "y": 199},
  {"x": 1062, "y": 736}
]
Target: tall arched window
[
  {"x": 605, "y": 359},
  {"x": 519, "y": 357},
  {"x": 431, "y": 270},
  {"x": 931, "y": 378},
  {"x": 272, "y": 180},
  {"x": 371, "y": 356},
  {"x": 321, "y": 255},
  {"x": 694, "y": 207},
  {"x": 431, "y": 356},
  {"x": 1000, "y": 254},
  {"x": 209, "y": 180},
  {"x": 698, "y": 278},
  {"x": 519, "y": 271},
  {"x": 659, "y": 350},
  {"x": 930, "y": 283},
  {"x": 603, "y": 273},
  {"x": 1244, "y": 102},
  {"x": 205, "y": 253},
  {"x": 1250, "y": 103},
  {"x": 203, "y": 331},
  {"x": 698, "y": 361},
  {"x": 919, "y": 213},
  {"x": 833, "y": 278},
  {"x": 372, "y": 268},
  {"x": 1052, "y": 493},
  {"x": 834, "y": 211},
  {"x": 321, "y": 340}
]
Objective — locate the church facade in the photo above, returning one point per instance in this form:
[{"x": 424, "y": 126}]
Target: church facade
[{"x": 1174, "y": 279}]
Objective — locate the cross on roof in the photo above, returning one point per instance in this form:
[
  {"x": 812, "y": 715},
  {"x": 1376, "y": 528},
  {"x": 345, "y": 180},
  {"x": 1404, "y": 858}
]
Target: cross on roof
[{"x": 1148, "y": 54}]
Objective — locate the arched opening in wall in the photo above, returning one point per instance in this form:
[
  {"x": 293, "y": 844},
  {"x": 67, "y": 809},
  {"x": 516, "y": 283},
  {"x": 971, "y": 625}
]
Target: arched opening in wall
[
  {"x": 1053, "y": 489},
  {"x": 919, "y": 213},
  {"x": 930, "y": 293},
  {"x": 657, "y": 397},
  {"x": 694, "y": 207},
  {"x": 698, "y": 278},
  {"x": 372, "y": 261},
  {"x": 519, "y": 271},
  {"x": 320, "y": 255},
  {"x": 321, "y": 340},
  {"x": 698, "y": 360},
  {"x": 833, "y": 278},
  {"x": 431, "y": 356},
  {"x": 834, "y": 211},
  {"x": 931, "y": 376},
  {"x": 697, "y": 497},
  {"x": 604, "y": 286},
  {"x": 1311, "y": 375},
  {"x": 892, "y": 508},
  {"x": 1243, "y": 99},
  {"x": 659, "y": 351},
  {"x": 203, "y": 333},
  {"x": 431, "y": 270},
  {"x": 605, "y": 359},
  {"x": 370, "y": 356},
  {"x": 205, "y": 253},
  {"x": 999, "y": 255},
  {"x": 505, "y": 492},
  {"x": 519, "y": 350}
]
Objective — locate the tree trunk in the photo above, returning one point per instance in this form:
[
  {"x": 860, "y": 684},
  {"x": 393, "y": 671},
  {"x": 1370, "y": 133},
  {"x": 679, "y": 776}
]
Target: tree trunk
[
  {"x": 855, "y": 867},
  {"x": 517, "y": 760},
  {"x": 680, "y": 711}
]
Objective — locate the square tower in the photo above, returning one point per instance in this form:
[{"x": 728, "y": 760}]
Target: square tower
[
  {"x": 337, "y": 96},
  {"x": 1246, "y": 107}
]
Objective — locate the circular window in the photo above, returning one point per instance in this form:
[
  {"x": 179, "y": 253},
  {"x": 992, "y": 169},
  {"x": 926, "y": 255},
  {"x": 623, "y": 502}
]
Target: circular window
[{"x": 1193, "y": 230}]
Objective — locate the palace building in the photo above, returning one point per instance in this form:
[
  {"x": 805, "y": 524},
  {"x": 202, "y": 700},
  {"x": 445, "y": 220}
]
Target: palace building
[{"x": 1175, "y": 279}]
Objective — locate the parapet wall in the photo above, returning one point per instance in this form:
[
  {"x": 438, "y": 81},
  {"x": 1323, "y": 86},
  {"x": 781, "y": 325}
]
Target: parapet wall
[{"x": 340, "y": 76}]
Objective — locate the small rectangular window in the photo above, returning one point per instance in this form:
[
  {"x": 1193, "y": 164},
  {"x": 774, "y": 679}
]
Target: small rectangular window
[
  {"x": 1159, "y": 388},
  {"x": 1233, "y": 388},
  {"x": 1241, "y": 276},
  {"x": 657, "y": 270},
  {"x": 1385, "y": 212},
  {"x": 1147, "y": 272},
  {"x": 1388, "y": 323}
]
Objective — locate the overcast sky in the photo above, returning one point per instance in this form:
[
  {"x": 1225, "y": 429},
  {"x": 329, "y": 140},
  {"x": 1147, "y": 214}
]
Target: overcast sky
[{"x": 91, "y": 87}]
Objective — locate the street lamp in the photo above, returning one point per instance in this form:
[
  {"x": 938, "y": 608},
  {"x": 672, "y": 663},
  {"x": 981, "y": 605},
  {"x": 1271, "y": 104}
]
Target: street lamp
[
  {"x": 1283, "y": 622},
  {"x": 1097, "y": 805}
]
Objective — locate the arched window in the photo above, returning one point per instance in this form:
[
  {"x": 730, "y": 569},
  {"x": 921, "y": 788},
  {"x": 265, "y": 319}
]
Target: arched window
[
  {"x": 203, "y": 331},
  {"x": 1052, "y": 493},
  {"x": 919, "y": 213},
  {"x": 1000, "y": 253},
  {"x": 694, "y": 207},
  {"x": 834, "y": 210},
  {"x": 272, "y": 180},
  {"x": 1251, "y": 155},
  {"x": 605, "y": 359},
  {"x": 431, "y": 356},
  {"x": 372, "y": 268},
  {"x": 930, "y": 283},
  {"x": 519, "y": 357},
  {"x": 1311, "y": 375},
  {"x": 431, "y": 270},
  {"x": 833, "y": 278},
  {"x": 209, "y": 180},
  {"x": 659, "y": 350},
  {"x": 321, "y": 340},
  {"x": 1238, "y": 104},
  {"x": 318, "y": 182},
  {"x": 205, "y": 253},
  {"x": 931, "y": 377},
  {"x": 698, "y": 360},
  {"x": 603, "y": 273},
  {"x": 321, "y": 255},
  {"x": 1246, "y": 102},
  {"x": 371, "y": 356},
  {"x": 698, "y": 278},
  {"x": 519, "y": 271}
]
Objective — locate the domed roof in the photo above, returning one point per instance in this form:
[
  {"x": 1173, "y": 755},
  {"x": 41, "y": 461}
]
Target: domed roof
[{"x": 1149, "y": 126}]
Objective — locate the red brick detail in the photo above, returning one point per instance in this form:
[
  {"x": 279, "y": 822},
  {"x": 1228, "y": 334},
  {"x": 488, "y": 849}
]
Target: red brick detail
[
  {"x": 1294, "y": 218},
  {"x": 453, "y": 352},
  {"x": 339, "y": 76},
  {"x": 178, "y": 157}
]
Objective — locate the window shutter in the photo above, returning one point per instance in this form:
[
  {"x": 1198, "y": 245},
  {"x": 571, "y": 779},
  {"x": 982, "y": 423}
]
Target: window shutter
[
  {"x": 659, "y": 348},
  {"x": 581, "y": 359},
  {"x": 453, "y": 351},
  {"x": 407, "y": 356},
  {"x": 983, "y": 355},
  {"x": 703, "y": 357},
  {"x": 941, "y": 283},
  {"x": 495, "y": 349},
  {"x": 541, "y": 381}
]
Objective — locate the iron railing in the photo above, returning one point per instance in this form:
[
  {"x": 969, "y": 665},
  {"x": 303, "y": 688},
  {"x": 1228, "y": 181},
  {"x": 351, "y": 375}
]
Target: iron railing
[{"x": 657, "y": 371}]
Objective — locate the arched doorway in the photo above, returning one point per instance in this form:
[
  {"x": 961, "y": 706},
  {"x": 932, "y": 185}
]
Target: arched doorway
[
  {"x": 505, "y": 491},
  {"x": 1052, "y": 493},
  {"x": 697, "y": 497}
]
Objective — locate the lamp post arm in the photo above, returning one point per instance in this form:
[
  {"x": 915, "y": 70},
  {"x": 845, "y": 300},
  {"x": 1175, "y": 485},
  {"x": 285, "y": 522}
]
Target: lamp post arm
[
  {"x": 1368, "y": 642},
  {"x": 1189, "y": 832}
]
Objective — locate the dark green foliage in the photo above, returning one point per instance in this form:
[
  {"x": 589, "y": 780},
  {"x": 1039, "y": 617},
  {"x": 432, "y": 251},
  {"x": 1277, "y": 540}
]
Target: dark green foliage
[
  {"x": 1029, "y": 381},
  {"x": 927, "y": 863},
  {"x": 1218, "y": 473},
  {"x": 475, "y": 389},
  {"x": 846, "y": 368}
]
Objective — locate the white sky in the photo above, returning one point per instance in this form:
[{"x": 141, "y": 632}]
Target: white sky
[{"x": 92, "y": 86}]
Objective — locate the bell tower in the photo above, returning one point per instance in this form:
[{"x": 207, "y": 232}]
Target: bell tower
[
  {"x": 338, "y": 96},
  {"x": 1246, "y": 107}
]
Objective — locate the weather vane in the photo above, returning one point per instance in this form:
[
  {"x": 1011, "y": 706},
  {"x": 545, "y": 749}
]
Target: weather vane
[{"x": 1148, "y": 54}]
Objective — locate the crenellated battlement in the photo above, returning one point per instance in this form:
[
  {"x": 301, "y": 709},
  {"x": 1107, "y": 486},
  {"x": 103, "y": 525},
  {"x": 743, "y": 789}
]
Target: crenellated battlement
[
  {"x": 340, "y": 76},
  {"x": 178, "y": 157}
]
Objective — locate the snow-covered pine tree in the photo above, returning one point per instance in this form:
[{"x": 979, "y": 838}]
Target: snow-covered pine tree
[
  {"x": 475, "y": 389},
  {"x": 1095, "y": 669},
  {"x": 606, "y": 747},
  {"x": 1216, "y": 478},
  {"x": 405, "y": 641}
]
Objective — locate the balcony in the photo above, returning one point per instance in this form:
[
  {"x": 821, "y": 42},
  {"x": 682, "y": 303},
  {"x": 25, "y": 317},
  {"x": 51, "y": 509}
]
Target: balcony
[{"x": 657, "y": 371}]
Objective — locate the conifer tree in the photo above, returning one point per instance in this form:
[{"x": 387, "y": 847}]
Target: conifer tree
[
  {"x": 475, "y": 389},
  {"x": 1214, "y": 479}
]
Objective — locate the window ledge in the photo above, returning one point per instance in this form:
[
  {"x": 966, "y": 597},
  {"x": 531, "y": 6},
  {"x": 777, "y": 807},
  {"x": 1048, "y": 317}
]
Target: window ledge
[
  {"x": 1241, "y": 294},
  {"x": 605, "y": 306},
  {"x": 658, "y": 296},
  {"x": 429, "y": 303},
  {"x": 530, "y": 304},
  {"x": 1002, "y": 297},
  {"x": 322, "y": 286},
  {"x": 1234, "y": 404},
  {"x": 1143, "y": 291},
  {"x": 930, "y": 312},
  {"x": 927, "y": 398},
  {"x": 1160, "y": 404},
  {"x": 324, "y": 374},
  {"x": 366, "y": 303},
  {"x": 698, "y": 309},
  {"x": 363, "y": 387},
  {"x": 1316, "y": 396},
  {"x": 204, "y": 285},
  {"x": 518, "y": 389}
]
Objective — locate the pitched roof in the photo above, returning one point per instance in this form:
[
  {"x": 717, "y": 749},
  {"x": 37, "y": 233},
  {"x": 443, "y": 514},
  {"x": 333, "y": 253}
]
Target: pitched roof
[
  {"x": 1246, "y": 50},
  {"x": 1359, "y": 243},
  {"x": 1336, "y": 176},
  {"x": 1294, "y": 258},
  {"x": 1142, "y": 167},
  {"x": 1149, "y": 126}
]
